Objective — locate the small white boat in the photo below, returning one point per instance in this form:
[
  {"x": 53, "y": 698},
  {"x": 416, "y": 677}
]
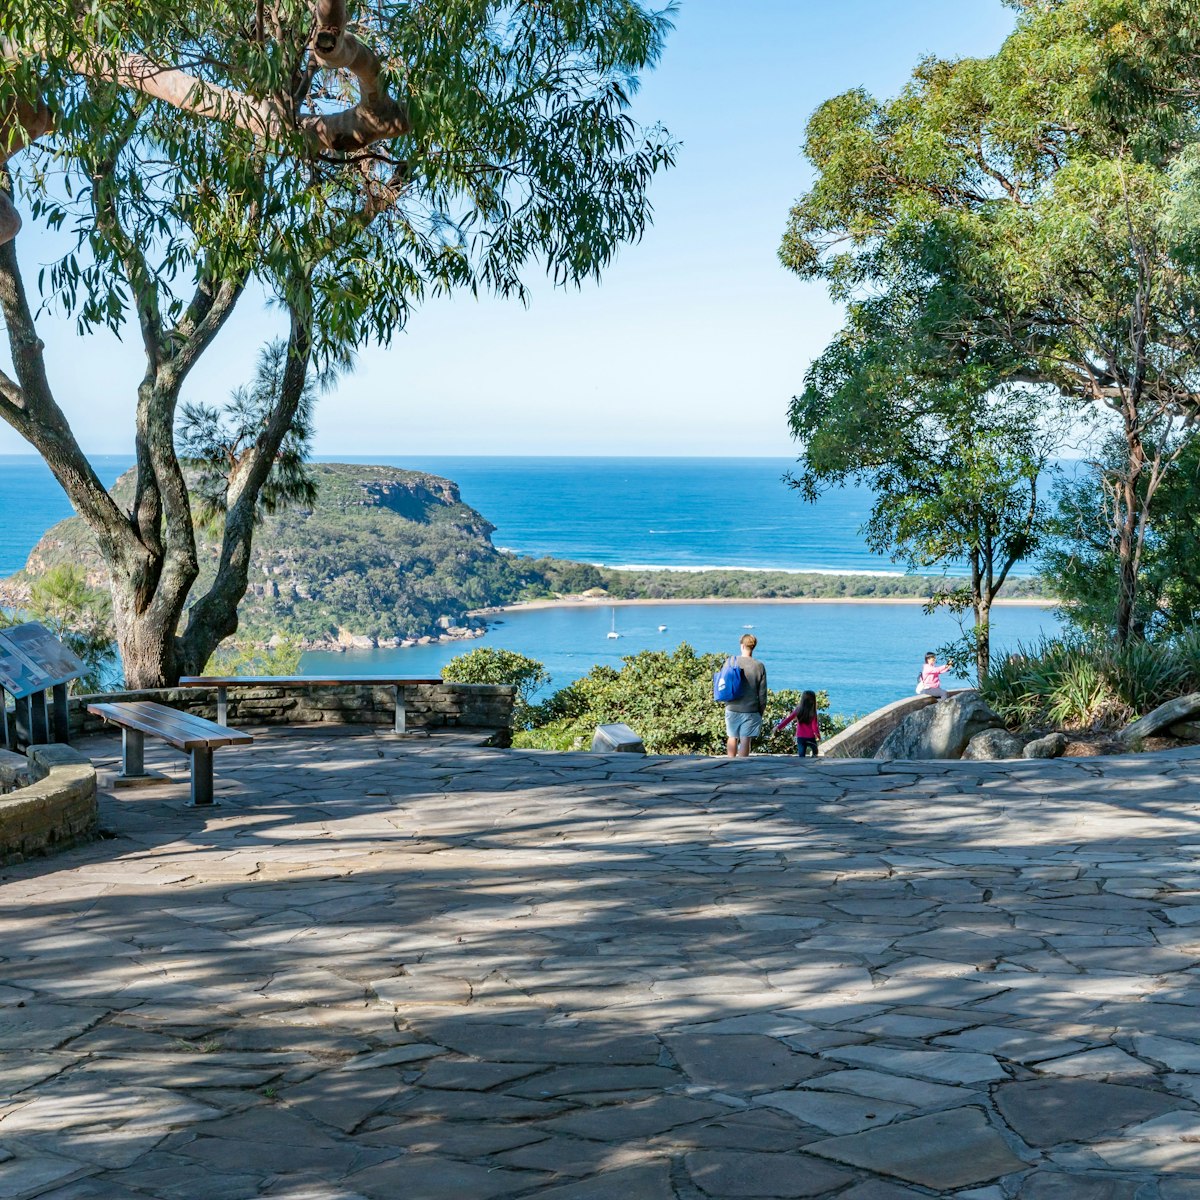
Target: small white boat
[
  {"x": 747, "y": 626},
  {"x": 662, "y": 629},
  {"x": 612, "y": 633}
]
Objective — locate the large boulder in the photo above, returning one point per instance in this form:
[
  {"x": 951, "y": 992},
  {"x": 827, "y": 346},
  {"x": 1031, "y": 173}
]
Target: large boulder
[
  {"x": 943, "y": 730},
  {"x": 993, "y": 744},
  {"x": 867, "y": 734},
  {"x": 1165, "y": 715},
  {"x": 1050, "y": 746}
]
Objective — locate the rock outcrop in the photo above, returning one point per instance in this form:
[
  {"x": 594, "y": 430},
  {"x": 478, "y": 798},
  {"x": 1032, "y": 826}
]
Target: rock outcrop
[
  {"x": 993, "y": 744},
  {"x": 942, "y": 731},
  {"x": 1050, "y": 746},
  {"x": 382, "y": 555}
]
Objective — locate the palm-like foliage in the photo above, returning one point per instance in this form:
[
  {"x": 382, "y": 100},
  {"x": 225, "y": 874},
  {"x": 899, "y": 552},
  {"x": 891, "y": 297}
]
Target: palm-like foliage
[{"x": 215, "y": 442}]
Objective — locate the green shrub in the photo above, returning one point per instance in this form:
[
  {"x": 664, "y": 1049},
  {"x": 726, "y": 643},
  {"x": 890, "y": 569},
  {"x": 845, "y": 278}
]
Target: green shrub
[
  {"x": 1078, "y": 683},
  {"x": 280, "y": 656},
  {"x": 666, "y": 697},
  {"x": 485, "y": 664}
]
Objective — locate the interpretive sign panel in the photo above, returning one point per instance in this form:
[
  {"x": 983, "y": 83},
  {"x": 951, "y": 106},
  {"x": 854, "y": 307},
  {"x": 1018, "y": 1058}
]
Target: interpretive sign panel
[{"x": 33, "y": 660}]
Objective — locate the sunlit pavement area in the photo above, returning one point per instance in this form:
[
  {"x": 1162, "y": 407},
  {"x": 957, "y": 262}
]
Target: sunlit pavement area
[{"x": 422, "y": 969}]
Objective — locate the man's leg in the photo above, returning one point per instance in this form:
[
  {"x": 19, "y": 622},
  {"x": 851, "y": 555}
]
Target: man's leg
[
  {"x": 731, "y": 746},
  {"x": 743, "y": 747}
]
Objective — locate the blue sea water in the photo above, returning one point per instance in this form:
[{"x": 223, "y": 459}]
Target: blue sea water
[
  {"x": 681, "y": 513},
  {"x": 864, "y": 655},
  {"x": 685, "y": 513}
]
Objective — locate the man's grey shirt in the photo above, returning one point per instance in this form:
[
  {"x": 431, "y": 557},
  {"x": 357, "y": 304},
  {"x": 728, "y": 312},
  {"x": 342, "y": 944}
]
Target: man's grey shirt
[{"x": 753, "y": 696}]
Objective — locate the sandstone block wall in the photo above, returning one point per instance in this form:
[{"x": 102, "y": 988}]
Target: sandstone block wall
[
  {"x": 55, "y": 810},
  {"x": 456, "y": 705}
]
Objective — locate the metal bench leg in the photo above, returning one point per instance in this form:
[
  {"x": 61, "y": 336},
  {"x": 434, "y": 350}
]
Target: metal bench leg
[
  {"x": 222, "y": 706},
  {"x": 133, "y": 753},
  {"x": 400, "y": 714},
  {"x": 202, "y": 777},
  {"x": 7, "y": 740}
]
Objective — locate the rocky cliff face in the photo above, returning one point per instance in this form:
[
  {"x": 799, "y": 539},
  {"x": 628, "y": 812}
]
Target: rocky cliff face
[{"x": 384, "y": 556}]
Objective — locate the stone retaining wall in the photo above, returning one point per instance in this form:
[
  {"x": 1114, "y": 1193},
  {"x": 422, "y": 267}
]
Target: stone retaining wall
[
  {"x": 458, "y": 705},
  {"x": 55, "y": 810}
]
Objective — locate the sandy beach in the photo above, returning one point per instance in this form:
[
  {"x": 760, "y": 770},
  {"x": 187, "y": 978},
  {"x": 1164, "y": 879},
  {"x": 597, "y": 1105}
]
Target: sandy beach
[{"x": 591, "y": 602}]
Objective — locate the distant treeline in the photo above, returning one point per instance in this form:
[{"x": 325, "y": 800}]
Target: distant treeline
[{"x": 550, "y": 576}]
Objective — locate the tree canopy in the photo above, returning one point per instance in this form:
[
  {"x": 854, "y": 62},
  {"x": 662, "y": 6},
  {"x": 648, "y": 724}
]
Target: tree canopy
[
  {"x": 350, "y": 159},
  {"x": 1026, "y": 207}
]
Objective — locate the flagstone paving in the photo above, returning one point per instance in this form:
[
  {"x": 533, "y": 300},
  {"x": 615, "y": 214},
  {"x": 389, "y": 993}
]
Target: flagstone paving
[{"x": 422, "y": 969}]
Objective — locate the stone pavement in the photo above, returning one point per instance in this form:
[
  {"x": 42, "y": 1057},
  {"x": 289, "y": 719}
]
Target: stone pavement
[{"x": 429, "y": 971}]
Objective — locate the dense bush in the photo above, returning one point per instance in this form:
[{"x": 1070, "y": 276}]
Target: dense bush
[
  {"x": 1091, "y": 684},
  {"x": 488, "y": 665},
  {"x": 665, "y": 697}
]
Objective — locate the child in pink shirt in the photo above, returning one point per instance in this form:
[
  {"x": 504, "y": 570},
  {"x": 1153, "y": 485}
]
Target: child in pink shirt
[
  {"x": 808, "y": 732},
  {"x": 929, "y": 682}
]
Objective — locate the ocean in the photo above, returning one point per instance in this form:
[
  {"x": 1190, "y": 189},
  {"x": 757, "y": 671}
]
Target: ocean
[
  {"x": 680, "y": 513},
  {"x": 685, "y": 513}
]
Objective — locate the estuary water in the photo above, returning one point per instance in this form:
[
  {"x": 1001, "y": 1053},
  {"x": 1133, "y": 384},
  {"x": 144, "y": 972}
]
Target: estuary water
[
  {"x": 863, "y": 655},
  {"x": 679, "y": 513}
]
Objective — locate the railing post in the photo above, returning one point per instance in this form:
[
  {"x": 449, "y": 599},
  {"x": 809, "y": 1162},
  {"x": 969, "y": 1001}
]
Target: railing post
[{"x": 399, "y": 725}]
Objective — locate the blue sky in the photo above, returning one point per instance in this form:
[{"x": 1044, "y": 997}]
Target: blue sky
[{"x": 695, "y": 340}]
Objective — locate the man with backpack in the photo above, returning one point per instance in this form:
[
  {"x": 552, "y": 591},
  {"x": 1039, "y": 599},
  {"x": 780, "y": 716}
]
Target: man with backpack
[{"x": 741, "y": 685}]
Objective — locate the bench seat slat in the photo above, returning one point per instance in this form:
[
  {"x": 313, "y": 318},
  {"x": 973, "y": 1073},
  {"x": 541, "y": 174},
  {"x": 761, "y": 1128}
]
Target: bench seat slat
[
  {"x": 177, "y": 728},
  {"x": 300, "y": 681},
  {"x": 182, "y": 735},
  {"x": 181, "y": 730}
]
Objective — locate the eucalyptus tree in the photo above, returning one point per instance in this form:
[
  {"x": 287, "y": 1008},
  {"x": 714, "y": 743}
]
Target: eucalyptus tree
[
  {"x": 1031, "y": 195},
  {"x": 955, "y": 468},
  {"x": 347, "y": 159}
]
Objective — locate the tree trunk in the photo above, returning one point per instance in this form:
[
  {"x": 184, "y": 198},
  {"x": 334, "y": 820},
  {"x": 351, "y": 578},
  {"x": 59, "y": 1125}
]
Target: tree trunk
[
  {"x": 981, "y": 604},
  {"x": 1128, "y": 539},
  {"x": 145, "y": 638},
  {"x": 983, "y": 638},
  {"x": 214, "y": 616}
]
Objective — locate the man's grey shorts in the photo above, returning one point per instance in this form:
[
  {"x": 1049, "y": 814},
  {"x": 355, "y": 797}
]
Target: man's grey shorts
[{"x": 743, "y": 724}]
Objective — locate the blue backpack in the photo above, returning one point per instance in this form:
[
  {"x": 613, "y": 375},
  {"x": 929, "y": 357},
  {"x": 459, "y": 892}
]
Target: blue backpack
[{"x": 727, "y": 682}]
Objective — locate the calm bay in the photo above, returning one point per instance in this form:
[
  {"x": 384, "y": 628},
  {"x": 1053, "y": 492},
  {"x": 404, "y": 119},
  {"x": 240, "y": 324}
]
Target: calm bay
[{"x": 678, "y": 513}]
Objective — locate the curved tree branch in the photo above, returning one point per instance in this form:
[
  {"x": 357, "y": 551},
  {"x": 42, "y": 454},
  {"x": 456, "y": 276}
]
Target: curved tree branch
[
  {"x": 18, "y": 128},
  {"x": 214, "y": 616}
]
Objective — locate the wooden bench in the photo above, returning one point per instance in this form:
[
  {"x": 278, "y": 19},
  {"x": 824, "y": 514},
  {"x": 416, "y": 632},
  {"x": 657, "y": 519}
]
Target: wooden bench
[
  {"x": 224, "y": 683},
  {"x": 182, "y": 730}
]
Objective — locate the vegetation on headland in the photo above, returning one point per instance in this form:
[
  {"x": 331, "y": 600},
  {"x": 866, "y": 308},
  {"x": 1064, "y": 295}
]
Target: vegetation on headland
[
  {"x": 379, "y": 556},
  {"x": 666, "y": 696},
  {"x": 552, "y": 577}
]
